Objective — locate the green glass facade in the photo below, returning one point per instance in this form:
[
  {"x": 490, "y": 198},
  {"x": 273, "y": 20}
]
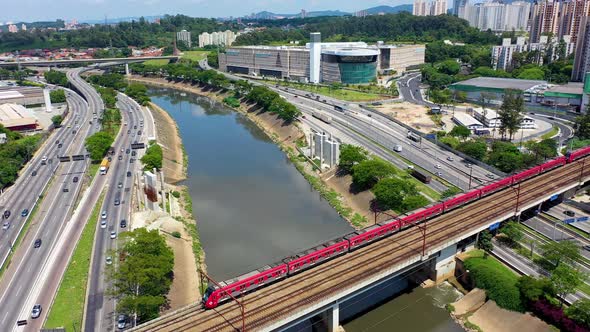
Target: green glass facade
[{"x": 357, "y": 73}]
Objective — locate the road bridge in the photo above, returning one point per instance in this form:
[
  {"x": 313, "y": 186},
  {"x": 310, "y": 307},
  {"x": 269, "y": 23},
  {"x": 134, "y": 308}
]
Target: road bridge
[
  {"x": 83, "y": 61},
  {"x": 320, "y": 290}
]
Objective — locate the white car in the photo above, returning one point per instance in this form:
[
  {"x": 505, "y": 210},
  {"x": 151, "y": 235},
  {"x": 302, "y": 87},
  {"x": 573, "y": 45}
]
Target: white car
[
  {"x": 438, "y": 173},
  {"x": 109, "y": 260},
  {"x": 113, "y": 234},
  {"x": 103, "y": 224},
  {"x": 6, "y": 225},
  {"x": 36, "y": 312},
  {"x": 103, "y": 215},
  {"x": 437, "y": 166},
  {"x": 449, "y": 158}
]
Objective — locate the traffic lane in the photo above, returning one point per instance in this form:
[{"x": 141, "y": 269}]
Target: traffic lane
[
  {"x": 557, "y": 232},
  {"x": 29, "y": 187},
  {"x": 53, "y": 213},
  {"x": 97, "y": 317}
]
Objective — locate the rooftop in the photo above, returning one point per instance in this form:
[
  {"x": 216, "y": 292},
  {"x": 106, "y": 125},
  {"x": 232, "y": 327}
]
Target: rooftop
[
  {"x": 501, "y": 83},
  {"x": 12, "y": 115},
  {"x": 570, "y": 88}
]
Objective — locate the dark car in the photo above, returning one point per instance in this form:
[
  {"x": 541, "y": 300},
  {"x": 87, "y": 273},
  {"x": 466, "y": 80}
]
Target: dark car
[
  {"x": 131, "y": 160},
  {"x": 75, "y": 179},
  {"x": 73, "y": 132},
  {"x": 37, "y": 243},
  {"x": 120, "y": 157},
  {"x": 110, "y": 159},
  {"x": 123, "y": 223},
  {"x": 25, "y": 213},
  {"x": 57, "y": 142},
  {"x": 59, "y": 145},
  {"x": 139, "y": 132},
  {"x": 127, "y": 151},
  {"x": 128, "y": 174},
  {"x": 134, "y": 127},
  {"x": 133, "y": 153},
  {"x": 569, "y": 213},
  {"x": 128, "y": 131},
  {"x": 6, "y": 214},
  {"x": 66, "y": 190}
]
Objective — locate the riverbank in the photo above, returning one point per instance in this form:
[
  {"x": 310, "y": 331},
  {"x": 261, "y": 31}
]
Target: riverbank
[
  {"x": 287, "y": 137},
  {"x": 168, "y": 138}
]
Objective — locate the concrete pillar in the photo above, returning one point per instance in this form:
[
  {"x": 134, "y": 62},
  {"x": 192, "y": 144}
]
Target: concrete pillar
[
  {"x": 127, "y": 72},
  {"x": 163, "y": 191},
  {"x": 334, "y": 318}
]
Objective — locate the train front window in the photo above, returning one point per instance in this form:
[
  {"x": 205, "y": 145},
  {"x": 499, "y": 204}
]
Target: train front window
[{"x": 208, "y": 292}]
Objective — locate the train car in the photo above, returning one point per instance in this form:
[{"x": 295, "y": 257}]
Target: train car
[
  {"x": 324, "y": 117},
  {"x": 574, "y": 155},
  {"x": 421, "y": 176},
  {"x": 243, "y": 284},
  {"x": 314, "y": 256},
  {"x": 551, "y": 164},
  {"x": 422, "y": 215},
  {"x": 498, "y": 185},
  {"x": 529, "y": 173},
  {"x": 370, "y": 234},
  {"x": 461, "y": 199}
]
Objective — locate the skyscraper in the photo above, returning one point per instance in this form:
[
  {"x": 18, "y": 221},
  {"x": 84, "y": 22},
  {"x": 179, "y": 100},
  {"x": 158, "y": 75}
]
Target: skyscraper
[
  {"x": 558, "y": 17},
  {"x": 582, "y": 60},
  {"x": 457, "y": 4},
  {"x": 496, "y": 16},
  {"x": 429, "y": 7}
]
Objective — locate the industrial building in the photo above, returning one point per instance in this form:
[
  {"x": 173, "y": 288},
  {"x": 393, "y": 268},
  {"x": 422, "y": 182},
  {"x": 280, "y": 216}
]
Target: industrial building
[
  {"x": 21, "y": 95},
  {"x": 569, "y": 96},
  {"x": 353, "y": 63},
  {"x": 17, "y": 118},
  {"x": 467, "y": 120}
]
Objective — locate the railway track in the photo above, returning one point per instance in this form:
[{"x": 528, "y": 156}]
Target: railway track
[{"x": 285, "y": 297}]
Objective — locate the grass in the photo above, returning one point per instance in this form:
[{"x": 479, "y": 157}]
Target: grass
[
  {"x": 584, "y": 288},
  {"x": 157, "y": 62},
  {"x": 195, "y": 55},
  {"x": 550, "y": 134},
  {"x": 342, "y": 93},
  {"x": 68, "y": 307},
  {"x": 358, "y": 220}
]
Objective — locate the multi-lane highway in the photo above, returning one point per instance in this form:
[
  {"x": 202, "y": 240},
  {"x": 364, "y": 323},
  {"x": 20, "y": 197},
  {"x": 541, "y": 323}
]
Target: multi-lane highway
[
  {"x": 100, "y": 307},
  {"x": 20, "y": 279}
]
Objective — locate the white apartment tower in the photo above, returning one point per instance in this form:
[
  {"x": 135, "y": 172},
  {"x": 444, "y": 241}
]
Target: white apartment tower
[
  {"x": 429, "y": 7},
  {"x": 315, "y": 56},
  {"x": 184, "y": 36}
]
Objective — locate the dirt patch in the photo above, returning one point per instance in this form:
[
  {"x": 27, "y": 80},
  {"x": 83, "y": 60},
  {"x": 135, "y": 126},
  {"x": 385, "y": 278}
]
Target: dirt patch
[
  {"x": 491, "y": 318},
  {"x": 415, "y": 116},
  {"x": 171, "y": 143},
  {"x": 470, "y": 302}
]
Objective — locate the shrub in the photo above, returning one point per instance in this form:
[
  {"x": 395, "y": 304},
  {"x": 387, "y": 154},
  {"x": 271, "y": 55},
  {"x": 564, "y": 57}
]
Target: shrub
[
  {"x": 176, "y": 234},
  {"x": 555, "y": 315},
  {"x": 176, "y": 194}
]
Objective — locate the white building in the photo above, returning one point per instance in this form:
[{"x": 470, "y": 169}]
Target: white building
[
  {"x": 467, "y": 120},
  {"x": 220, "y": 38},
  {"x": 502, "y": 55},
  {"x": 496, "y": 16},
  {"x": 184, "y": 36},
  {"x": 429, "y": 7},
  {"x": 490, "y": 119}
]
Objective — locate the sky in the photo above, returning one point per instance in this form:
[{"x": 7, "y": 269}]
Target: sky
[{"x": 50, "y": 10}]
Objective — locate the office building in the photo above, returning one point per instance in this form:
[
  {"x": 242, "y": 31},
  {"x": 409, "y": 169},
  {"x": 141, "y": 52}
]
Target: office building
[
  {"x": 429, "y": 7},
  {"x": 184, "y": 36},
  {"x": 354, "y": 62},
  {"x": 218, "y": 38},
  {"x": 558, "y": 17},
  {"x": 496, "y": 16}
]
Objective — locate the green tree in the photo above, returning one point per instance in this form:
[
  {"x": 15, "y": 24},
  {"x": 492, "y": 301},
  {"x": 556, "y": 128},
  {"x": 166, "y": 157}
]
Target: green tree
[
  {"x": 579, "y": 311},
  {"x": 138, "y": 92},
  {"x": 351, "y": 155},
  {"x": 533, "y": 289},
  {"x": 583, "y": 124},
  {"x": 143, "y": 278},
  {"x": 367, "y": 173},
  {"x": 561, "y": 252},
  {"x": 513, "y": 231},
  {"x": 484, "y": 242},
  {"x": 153, "y": 157},
  {"x": 98, "y": 145},
  {"x": 531, "y": 74},
  {"x": 460, "y": 131},
  {"x": 57, "y": 120},
  {"x": 397, "y": 194},
  {"x": 449, "y": 67},
  {"x": 57, "y": 96},
  {"x": 56, "y": 77},
  {"x": 511, "y": 113},
  {"x": 476, "y": 149},
  {"x": 565, "y": 280}
]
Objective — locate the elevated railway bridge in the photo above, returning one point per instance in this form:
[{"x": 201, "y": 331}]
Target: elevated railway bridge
[{"x": 322, "y": 289}]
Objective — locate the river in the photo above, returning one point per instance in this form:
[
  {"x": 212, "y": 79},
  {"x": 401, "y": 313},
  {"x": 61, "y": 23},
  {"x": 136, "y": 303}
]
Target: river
[{"x": 251, "y": 205}]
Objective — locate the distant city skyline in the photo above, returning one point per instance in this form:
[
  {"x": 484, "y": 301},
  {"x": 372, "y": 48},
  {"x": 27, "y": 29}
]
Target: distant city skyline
[{"x": 37, "y": 10}]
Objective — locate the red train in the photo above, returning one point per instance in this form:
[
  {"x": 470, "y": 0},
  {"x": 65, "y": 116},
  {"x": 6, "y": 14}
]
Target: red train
[{"x": 314, "y": 256}]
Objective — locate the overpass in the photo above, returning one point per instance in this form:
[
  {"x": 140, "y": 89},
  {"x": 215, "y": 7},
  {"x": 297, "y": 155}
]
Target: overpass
[
  {"x": 321, "y": 290},
  {"x": 82, "y": 61}
]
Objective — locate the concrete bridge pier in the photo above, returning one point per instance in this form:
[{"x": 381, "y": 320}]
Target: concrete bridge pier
[
  {"x": 127, "y": 72},
  {"x": 334, "y": 318}
]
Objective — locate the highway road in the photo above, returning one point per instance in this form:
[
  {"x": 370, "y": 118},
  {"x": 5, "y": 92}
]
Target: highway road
[
  {"x": 100, "y": 307},
  {"x": 18, "y": 284}
]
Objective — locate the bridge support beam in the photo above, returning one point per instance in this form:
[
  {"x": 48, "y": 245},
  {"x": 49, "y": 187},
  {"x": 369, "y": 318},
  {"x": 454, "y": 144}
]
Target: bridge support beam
[
  {"x": 127, "y": 72},
  {"x": 334, "y": 318}
]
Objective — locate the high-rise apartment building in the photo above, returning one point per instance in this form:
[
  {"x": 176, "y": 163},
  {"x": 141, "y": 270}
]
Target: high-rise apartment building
[
  {"x": 502, "y": 55},
  {"x": 582, "y": 60},
  {"x": 558, "y": 17},
  {"x": 12, "y": 28},
  {"x": 220, "y": 38},
  {"x": 23, "y": 27},
  {"x": 184, "y": 36},
  {"x": 496, "y": 16},
  {"x": 429, "y": 7}
]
